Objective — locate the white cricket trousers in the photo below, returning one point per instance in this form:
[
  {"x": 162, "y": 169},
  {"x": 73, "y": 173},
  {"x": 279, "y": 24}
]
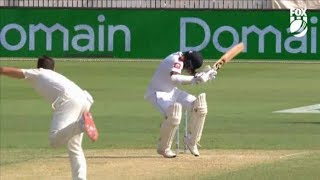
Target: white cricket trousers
[
  {"x": 163, "y": 100},
  {"x": 66, "y": 129}
]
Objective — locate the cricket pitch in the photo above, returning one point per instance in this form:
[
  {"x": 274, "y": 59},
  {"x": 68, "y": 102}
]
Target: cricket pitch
[{"x": 146, "y": 164}]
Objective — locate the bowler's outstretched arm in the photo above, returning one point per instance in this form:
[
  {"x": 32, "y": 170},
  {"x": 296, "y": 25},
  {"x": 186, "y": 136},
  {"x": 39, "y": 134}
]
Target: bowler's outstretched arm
[{"x": 12, "y": 72}]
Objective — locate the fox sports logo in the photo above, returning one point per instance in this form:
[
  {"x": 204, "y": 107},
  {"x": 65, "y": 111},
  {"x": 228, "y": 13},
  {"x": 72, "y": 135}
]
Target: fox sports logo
[{"x": 298, "y": 22}]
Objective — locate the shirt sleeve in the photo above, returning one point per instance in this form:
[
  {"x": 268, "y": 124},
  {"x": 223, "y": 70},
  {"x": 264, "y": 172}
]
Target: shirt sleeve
[
  {"x": 30, "y": 73},
  {"x": 177, "y": 66}
]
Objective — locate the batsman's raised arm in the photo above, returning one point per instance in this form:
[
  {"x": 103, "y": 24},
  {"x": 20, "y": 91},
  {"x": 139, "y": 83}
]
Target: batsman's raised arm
[
  {"x": 190, "y": 61},
  {"x": 12, "y": 72},
  {"x": 182, "y": 79}
]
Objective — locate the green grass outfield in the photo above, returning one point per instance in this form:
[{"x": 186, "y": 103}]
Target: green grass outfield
[{"x": 240, "y": 105}]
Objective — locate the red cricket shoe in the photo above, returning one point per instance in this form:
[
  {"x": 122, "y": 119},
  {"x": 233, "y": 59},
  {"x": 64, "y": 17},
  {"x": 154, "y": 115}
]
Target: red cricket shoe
[{"x": 90, "y": 127}]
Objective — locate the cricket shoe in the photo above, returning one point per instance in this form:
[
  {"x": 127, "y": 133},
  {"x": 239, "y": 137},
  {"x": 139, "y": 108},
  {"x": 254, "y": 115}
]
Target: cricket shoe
[
  {"x": 192, "y": 148},
  {"x": 90, "y": 127},
  {"x": 167, "y": 153}
]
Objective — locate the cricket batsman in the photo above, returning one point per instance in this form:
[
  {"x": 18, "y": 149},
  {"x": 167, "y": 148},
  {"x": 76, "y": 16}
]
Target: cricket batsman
[
  {"x": 169, "y": 100},
  {"x": 71, "y": 110}
]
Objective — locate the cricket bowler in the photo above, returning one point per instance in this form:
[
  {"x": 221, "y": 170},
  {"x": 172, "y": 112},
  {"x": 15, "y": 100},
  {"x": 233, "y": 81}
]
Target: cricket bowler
[
  {"x": 169, "y": 100},
  {"x": 71, "y": 110}
]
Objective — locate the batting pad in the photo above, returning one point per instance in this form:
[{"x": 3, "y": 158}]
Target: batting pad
[
  {"x": 169, "y": 126},
  {"x": 198, "y": 116}
]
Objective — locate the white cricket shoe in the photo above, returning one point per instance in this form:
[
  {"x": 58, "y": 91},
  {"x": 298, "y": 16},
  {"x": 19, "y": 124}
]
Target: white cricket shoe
[
  {"x": 193, "y": 149},
  {"x": 166, "y": 153}
]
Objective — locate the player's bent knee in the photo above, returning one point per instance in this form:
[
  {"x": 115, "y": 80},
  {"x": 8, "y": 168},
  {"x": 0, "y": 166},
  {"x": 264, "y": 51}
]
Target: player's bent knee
[
  {"x": 174, "y": 114},
  {"x": 200, "y": 105},
  {"x": 198, "y": 116},
  {"x": 53, "y": 142},
  {"x": 169, "y": 126}
]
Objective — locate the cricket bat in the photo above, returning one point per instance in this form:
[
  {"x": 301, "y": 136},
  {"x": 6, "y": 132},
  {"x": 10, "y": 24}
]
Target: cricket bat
[{"x": 228, "y": 56}]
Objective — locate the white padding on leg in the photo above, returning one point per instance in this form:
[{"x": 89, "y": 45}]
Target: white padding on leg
[
  {"x": 169, "y": 126},
  {"x": 198, "y": 117}
]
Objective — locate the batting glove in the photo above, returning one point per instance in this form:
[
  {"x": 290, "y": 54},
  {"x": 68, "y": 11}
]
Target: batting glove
[
  {"x": 212, "y": 74},
  {"x": 201, "y": 77}
]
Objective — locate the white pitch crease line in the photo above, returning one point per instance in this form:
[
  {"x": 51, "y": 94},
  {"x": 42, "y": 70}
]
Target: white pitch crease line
[{"x": 304, "y": 109}]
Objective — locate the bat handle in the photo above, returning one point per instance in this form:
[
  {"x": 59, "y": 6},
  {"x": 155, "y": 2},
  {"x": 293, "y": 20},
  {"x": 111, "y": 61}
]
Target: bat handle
[
  {"x": 215, "y": 67},
  {"x": 218, "y": 64}
]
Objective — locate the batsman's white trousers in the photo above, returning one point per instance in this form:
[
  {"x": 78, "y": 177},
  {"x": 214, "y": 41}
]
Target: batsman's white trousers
[
  {"x": 162, "y": 100},
  {"x": 66, "y": 129}
]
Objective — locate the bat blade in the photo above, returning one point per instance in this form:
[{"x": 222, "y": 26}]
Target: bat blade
[{"x": 229, "y": 55}]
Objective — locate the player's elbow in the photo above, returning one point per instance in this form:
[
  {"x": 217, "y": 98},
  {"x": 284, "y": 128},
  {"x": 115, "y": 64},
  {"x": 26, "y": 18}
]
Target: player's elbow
[{"x": 175, "y": 79}]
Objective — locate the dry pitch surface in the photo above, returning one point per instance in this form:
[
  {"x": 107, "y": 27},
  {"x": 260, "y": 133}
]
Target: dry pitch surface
[{"x": 145, "y": 164}]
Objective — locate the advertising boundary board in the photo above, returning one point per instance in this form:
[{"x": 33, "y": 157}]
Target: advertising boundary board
[{"x": 153, "y": 34}]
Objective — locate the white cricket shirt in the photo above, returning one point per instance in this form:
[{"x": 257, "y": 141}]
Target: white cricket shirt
[
  {"x": 161, "y": 80},
  {"x": 50, "y": 84}
]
